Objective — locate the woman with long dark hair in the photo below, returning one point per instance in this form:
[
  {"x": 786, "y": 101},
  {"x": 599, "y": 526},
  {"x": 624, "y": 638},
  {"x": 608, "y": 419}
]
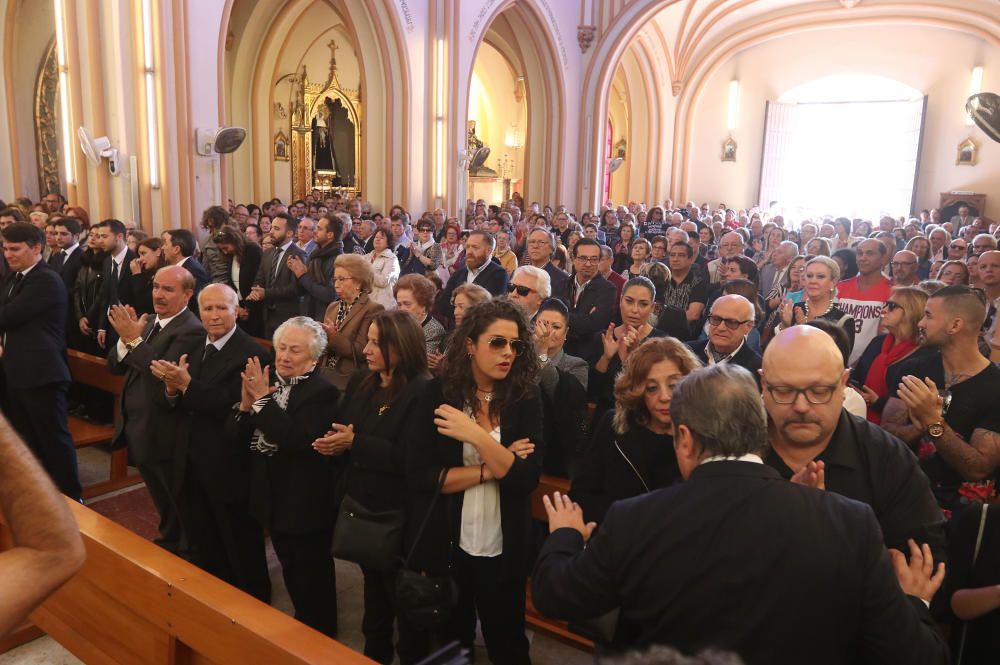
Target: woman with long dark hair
[
  {"x": 143, "y": 268},
  {"x": 381, "y": 403},
  {"x": 483, "y": 448},
  {"x": 242, "y": 260}
]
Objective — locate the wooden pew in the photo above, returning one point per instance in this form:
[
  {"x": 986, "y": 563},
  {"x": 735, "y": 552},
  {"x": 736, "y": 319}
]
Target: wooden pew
[
  {"x": 552, "y": 627},
  {"x": 134, "y": 603},
  {"x": 90, "y": 370}
]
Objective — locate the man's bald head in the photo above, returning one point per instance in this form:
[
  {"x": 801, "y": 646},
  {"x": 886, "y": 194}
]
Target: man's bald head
[{"x": 791, "y": 345}]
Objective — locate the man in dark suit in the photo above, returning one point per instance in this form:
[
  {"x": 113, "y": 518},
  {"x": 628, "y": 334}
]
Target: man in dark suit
[
  {"x": 478, "y": 269},
  {"x": 276, "y": 287},
  {"x": 33, "y": 328},
  {"x": 316, "y": 277},
  {"x": 178, "y": 250},
  {"x": 143, "y": 425},
  {"x": 739, "y": 559},
  {"x": 732, "y": 318},
  {"x": 212, "y": 466},
  {"x": 116, "y": 288},
  {"x": 541, "y": 245},
  {"x": 67, "y": 263},
  {"x": 592, "y": 303}
]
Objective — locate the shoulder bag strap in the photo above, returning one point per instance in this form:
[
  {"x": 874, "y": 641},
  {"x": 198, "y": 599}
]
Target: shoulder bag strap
[
  {"x": 975, "y": 555},
  {"x": 635, "y": 470},
  {"x": 427, "y": 517}
]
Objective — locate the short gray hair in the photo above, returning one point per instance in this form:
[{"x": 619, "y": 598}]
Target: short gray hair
[
  {"x": 543, "y": 283},
  {"x": 985, "y": 236},
  {"x": 232, "y": 298},
  {"x": 722, "y": 407},
  {"x": 317, "y": 346}
]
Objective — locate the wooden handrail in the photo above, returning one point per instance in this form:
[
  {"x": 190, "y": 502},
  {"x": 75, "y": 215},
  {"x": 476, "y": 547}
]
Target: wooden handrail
[{"x": 134, "y": 603}]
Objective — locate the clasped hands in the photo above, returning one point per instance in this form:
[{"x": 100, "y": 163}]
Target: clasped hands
[
  {"x": 337, "y": 441},
  {"x": 175, "y": 375},
  {"x": 256, "y": 383},
  {"x": 922, "y": 400}
]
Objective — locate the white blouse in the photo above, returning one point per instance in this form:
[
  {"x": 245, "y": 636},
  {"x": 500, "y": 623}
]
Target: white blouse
[{"x": 481, "y": 534}]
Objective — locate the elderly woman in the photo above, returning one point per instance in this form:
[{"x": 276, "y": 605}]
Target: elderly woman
[
  {"x": 346, "y": 321},
  {"x": 503, "y": 252},
  {"x": 631, "y": 451},
  {"x": 292, "y": 486},
  {"x": 819, "y": 284},
  {"x": 415, "y": 295},
  {"x": 385, "y": 268},
  {"x": 900, "y": 315},
  {"x": 462, "y": 298},
  {"x": 427, "y": 253}
]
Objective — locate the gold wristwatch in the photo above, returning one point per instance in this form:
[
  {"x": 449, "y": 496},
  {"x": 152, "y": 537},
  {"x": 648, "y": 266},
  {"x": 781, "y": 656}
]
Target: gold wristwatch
[
  {"x": 935, "y": 430},
  {"x": 134, "y": 343}
]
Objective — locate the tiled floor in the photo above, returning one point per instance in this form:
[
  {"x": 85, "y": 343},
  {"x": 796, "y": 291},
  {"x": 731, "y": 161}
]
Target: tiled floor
[{"x": 133, "y": 509}]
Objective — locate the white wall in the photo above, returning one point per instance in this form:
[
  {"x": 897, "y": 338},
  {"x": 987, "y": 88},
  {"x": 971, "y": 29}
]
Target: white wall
[{"x": 934, "y": 61}]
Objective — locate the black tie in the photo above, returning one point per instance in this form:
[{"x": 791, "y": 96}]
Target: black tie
[
  {"x": 277, "y": 263},
  {"x": 114, "y": 283},
  {"x": 210, "y": 351},
  {"x": 153, "y": 332},
  {"x": 18, "y": 277},
  {"x": 58, "y": 259}
]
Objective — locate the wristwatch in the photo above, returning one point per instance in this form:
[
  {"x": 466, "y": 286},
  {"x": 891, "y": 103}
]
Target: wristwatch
[
  {"x": 935, "y": 430},
  {"x": 134, "y": 343}
]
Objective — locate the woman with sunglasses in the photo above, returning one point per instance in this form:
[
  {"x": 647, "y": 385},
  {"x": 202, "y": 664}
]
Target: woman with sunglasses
[
  {"x": 482, "y": 447},
  {"x": 900, "y": 315}
]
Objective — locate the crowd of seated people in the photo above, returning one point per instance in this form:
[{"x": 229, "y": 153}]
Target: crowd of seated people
[{"x": 432, "y": 368}]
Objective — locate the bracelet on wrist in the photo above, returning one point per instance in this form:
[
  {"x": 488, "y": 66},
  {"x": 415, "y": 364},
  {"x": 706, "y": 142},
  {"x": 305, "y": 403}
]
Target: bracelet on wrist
[{"x": 482, "y": 473}]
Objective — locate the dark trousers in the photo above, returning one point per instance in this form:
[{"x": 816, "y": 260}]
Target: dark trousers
[
  {"x": 224, "y": 539},
  {"x": 158, "y": 475},
  {"x": 39, "y": 416},
  {"x": 378, "y": 620},
  {"x": 307, "y": 567},
  {"x": 498, "y": 599}
]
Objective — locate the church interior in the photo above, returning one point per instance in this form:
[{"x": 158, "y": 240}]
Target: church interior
[{"x": 128, "y": 108}]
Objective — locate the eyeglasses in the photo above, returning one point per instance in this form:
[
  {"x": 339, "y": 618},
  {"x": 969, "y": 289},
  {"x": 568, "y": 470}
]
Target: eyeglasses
[
  {"x": 900, "y": 264},
  {"x": 587, "y": 259},
  {"x": 498, "y": 343},
  {"x": 522, "y": 291},
  {"x": 957, "y": 245},
  {"x": 814, "y": 394},
  {"x": 891, "y": 306},
  {"x": 732, "y": 324}
]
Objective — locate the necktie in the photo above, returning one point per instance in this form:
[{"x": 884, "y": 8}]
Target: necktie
[
  {"x": 210, "y": 350},
  {"x": 153, "y": 332},
  {"x": 114, "y": 283},
  {"x": 278, "y": 253},
  {"x": 58, "y": 259},
  {"x": 18, "y": 277}
]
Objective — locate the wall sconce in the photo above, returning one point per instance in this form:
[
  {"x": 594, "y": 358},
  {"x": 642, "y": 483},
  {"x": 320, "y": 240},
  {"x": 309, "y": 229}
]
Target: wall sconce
[
  {"x": 975, "y": 87},
  {"x": 734, "y": 104},
  {"x": 67, "y": 135},
  {"x": 439, "y": 129},
  {"x": 149, "y": 79}
]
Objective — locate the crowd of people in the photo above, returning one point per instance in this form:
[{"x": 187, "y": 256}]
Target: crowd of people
[{"x": 765, "y": 424}]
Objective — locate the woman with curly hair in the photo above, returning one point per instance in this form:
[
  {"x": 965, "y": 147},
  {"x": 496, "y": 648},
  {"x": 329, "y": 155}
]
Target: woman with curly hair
[
  {"x": 484, "y": 447},
  {"x": 632, "y": 451}
]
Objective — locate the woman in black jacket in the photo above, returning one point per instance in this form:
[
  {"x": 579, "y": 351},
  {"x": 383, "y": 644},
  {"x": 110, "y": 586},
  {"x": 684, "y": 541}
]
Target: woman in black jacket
[
  {"x": 242, "y": 260},
  {"x": 144, "y": 267},
  {"x": 486, "y": 445},
  {"x": 382, "y": 403}
]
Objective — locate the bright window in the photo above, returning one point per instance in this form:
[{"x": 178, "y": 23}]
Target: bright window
[{"x": 844, "y": 145}]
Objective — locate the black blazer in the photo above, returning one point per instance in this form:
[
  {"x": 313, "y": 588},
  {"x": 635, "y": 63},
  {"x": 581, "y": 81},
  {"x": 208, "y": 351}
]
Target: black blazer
[
  {"x": 589, "y": 318},
  {"x": 33, "y": 318},
  {"x": 430, "y": 452},
  {"x": 70, "y": 268},
  {"x": 112, "y": 292},
  {"x": 559, "y": 280},
  {"x": 746, "y": 357},
  {"x": 143, "y": 409},
  {"x": 282, "y": 300},
  {"x": 739, "y": 559},
  {"x": 200, "y": 415},
  {"x": 296, "y": 489},
  {"x": 493, "y": 278}
]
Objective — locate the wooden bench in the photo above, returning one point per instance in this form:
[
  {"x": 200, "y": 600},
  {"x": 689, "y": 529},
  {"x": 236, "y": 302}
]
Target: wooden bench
[
  {"x": 552, "y": 627},
  {"x": 134, "y": 603},
  {"x": 92, "y": 371}
]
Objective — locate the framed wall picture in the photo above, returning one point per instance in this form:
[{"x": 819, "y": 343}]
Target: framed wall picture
[
  {"x": 281, "y": 147},
  {"x": 729, "y": 150},
  {"x": 968, "y": 153}
]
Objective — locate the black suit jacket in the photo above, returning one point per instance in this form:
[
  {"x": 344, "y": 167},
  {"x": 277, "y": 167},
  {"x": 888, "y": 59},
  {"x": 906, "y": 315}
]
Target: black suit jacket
[
  {"x": 112, "y": 292},
  {"x": 282, "y": 299},
  {"x": 589, "y": 318},
  {"x": 493, "y": 278},
  {"x": 33, "y": 319},
  {"x": 296, "y": 489},
  {"x": 746, "y": 357},
  {"x": 69, "y": 269},
  {"x": 143, "y": 409},
  {"x": 201, "y": 280},
  {"x": 559, "y": 280},
  {"x": 739, "y": 559},
  {"x": 200, "y": 415},
  {"x": 428, "y": 453}
]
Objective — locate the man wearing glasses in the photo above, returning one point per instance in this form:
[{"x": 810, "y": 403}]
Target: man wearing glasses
[
  {"x": 983, "y": 242},
  {"x": 591, "y": 302},
  {"x": 904, "y": 268},
  {"x": 958, "y": 250},
  {"x": 732, "y": 318},
  {"x": 815, "y": 441}
]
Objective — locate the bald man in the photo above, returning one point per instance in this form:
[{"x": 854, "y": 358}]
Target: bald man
[
  {"x": 904, "y": 268},
  {"x": 816, "y": 441},
  {"x": 730, "y": 244},
  {"x": 731, "y": 320},
  {"x": 144, "y": 411}
]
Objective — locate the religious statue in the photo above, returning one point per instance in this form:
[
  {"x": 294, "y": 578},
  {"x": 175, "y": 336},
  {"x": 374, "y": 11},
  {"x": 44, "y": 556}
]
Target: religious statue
[{"x": 478, "y": 152}]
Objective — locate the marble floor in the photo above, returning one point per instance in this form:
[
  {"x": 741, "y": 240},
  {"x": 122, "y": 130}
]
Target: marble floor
[{"x": 133, "y": 509}]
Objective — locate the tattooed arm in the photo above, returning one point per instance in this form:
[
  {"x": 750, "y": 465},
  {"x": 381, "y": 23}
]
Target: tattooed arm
[
  {"x": 976, "y": 460},
  {"x": 896, "y": 421}
]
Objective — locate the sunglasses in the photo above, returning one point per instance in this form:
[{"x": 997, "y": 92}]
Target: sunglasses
[
  {"x": 498, "y": 343},
  {"x": 522, "y": 291},
  {"x": 891, "y": 306},
  {"x": 732, "y": 324},
  {"x": 956, "y": 245}
]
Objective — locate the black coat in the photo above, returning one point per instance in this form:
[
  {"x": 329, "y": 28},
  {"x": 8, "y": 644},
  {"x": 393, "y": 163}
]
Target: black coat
[
  {"x": 746, "y": 357},
  {"x": 296, "y": 489},
  {"x": 282, "y": 299},
  {"x": 589, "y": 318},
  {"x": 559, "y": 280},
  {"x": 112, "y": 292},
  {"x": 739, "y": 559},
  {"x": 430, "y": 452},
  {"x": 493, "y": 278},
  {"x": 33, "y": 319}
]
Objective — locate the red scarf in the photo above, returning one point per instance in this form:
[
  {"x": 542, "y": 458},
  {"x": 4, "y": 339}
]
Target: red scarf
[{"x": 876, "y": 373}]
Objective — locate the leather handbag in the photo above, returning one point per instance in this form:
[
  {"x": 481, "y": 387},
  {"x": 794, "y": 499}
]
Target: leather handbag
[
  {"x": 422, "y": 600},
  {"x": 369, "y": 538}
]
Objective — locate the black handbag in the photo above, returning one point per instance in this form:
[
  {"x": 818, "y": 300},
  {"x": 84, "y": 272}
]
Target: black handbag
[
  {"x": 424, "y": 601},
  {"x": 373, "y": 539}
]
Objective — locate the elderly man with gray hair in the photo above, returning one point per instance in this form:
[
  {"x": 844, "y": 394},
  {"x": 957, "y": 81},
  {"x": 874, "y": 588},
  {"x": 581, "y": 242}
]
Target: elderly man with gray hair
[
  {"x": 528, "y": 287},
  {"x": 735, "y": 557},
  {"x": 292, "y": 486}
]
